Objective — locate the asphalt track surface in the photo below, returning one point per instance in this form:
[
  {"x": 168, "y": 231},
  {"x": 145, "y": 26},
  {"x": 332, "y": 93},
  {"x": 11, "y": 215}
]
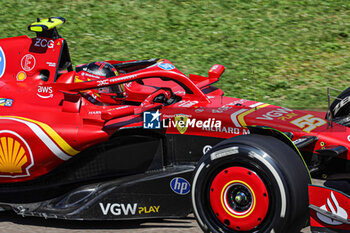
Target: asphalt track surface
[{"x": 12, "y": 223}]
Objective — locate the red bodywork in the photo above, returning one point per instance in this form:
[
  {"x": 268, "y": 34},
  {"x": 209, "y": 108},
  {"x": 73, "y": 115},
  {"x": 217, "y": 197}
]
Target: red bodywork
[
  {"x": 45, "y": 122},
  {"x": 333, "y": 203}
]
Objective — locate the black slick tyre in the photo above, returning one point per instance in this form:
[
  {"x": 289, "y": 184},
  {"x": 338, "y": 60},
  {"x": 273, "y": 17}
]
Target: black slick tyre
[
  {"x": 341, "y": 105},
  {"x": 251, "y": 183}
]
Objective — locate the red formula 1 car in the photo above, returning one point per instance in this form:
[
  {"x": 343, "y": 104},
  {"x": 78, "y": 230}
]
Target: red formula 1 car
[{"x": 139, "y": 139}]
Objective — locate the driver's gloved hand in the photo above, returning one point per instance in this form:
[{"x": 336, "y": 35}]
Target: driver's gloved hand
[{"x": 159, "y": 98}]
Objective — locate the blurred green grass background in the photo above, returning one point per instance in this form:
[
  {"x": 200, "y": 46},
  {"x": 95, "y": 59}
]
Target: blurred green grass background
[{"x": 294, "y": 49}]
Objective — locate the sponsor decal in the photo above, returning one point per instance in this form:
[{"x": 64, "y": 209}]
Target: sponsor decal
[
  {"x": 28, "y": 62},
  {"x": 43, "y": 43},
  {"x": 21, "y": 76},
  {"x": 2, "y": 62},
  {"x": 308, "y": 122},
  {"x": 118, "y": 79},
  {"x": 221, "y": 109},
  {"x": 51, "y": 64},
  {"x": 276, "y": 113},
  {"x": 166, "y": 66},
  {"x": 6, "y": 102},
  {"x": 187, "y": 103},
  {"x": 45, "y": 92},
  {"x": 95, "y": 113},
  {"x": 229, "y": 106},
  {"x": 56, "y": 144},
  {"x": 15, "y": 155},
  {"x": 151, "y": 120},
  {"x": 118, "y": 108},
  {"x": 181, "y": 122},
  {"x": 229, "y": 130},
  {"x": 102, "y": 82},
  {"x": 238, "y": 102},
  {"x": 334, "y": 207},
  {"x": 148, "y": 210},
  {"x": 206, "y": 149},
  {"x": 288, "y": 116},
  {"x": 199, "y": 110},
  {"x": 224, "y": 153},
  {"x": 180, "y": 185},
  {"x": 118, "y": 209}
]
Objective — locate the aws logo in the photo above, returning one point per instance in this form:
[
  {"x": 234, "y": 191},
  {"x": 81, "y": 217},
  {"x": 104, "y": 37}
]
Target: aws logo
[
  {"x": 2, "y": 62},
  {"x": 15, "y": 155},
  {"x": 45, "y": 92}
]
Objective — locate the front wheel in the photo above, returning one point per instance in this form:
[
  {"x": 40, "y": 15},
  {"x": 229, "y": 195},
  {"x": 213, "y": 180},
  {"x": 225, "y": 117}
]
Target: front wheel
[{"x": 251, "y": 183}]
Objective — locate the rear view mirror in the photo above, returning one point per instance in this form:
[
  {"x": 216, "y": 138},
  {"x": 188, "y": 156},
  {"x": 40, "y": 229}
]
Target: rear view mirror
[{"x": 216, "y": 71}]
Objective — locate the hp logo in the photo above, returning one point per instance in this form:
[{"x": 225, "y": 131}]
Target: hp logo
[{"x": 180, "y": 185}]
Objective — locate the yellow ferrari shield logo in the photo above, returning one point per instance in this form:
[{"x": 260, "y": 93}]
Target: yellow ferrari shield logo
[{"x": 181, "y": 123}]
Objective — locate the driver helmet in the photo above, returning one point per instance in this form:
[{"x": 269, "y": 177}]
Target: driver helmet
[{"x": 103, "y": 70}]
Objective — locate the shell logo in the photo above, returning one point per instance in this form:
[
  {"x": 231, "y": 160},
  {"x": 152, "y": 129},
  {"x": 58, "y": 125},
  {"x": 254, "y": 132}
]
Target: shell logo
[
  {"x": 15, "y": 155},
  {"x": 21, "y": 76}
]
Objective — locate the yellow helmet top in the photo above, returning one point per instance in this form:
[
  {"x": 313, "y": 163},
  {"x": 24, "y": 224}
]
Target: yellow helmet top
[{"x": 46, "y": 24}]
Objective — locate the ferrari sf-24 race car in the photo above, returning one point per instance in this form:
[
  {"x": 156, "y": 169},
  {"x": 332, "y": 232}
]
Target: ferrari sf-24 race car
[{"x": 139, "y": 139}]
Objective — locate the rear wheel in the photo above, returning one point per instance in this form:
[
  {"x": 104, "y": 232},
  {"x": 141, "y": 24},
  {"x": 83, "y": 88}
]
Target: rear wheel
[
  {"x": 340, "y": 108},
  {"x": 251, "y": 183}
]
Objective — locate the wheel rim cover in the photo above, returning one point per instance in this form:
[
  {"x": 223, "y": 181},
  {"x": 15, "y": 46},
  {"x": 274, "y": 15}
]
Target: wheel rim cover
[{"x": 239, "y": 198}]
